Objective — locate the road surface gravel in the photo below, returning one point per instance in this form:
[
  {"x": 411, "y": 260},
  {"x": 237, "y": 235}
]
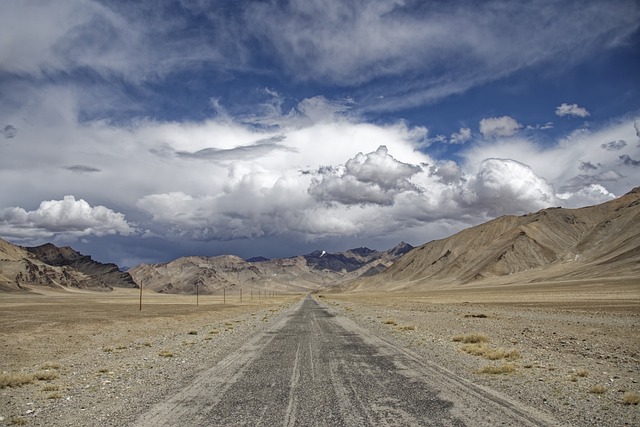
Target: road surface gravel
[{"x": 316, "y": 368}]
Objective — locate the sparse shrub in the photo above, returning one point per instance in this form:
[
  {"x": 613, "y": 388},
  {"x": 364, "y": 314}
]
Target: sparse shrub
[
  {"x": 15, "y": 379},
  {"x": 50, "y": 387},
  {"x": 407, "y": 328},
  {"x": 477, "y": 316},
  {"x": 506, "y": 368},
  {"x": 103, "y": 370},
  {"x": 631, "y": 399},
  {"x": 471, "y": 338},
  {"x": 165, "y": 353},
  {"x": 46, "y": 375},
  {"x": 491, "y": 353},
  {"x": 122, "y": 347},
  {"x": 582, "y": 373},
  {"x": 107, "y": 349},
  {"x": 18, "y": 421},
  {"x": 214, "y": 332},
  {"x": 390, "y": 322},
  {"x": 54, "y": 396},
  {"x": 193, "y": 332},
  {"x": 598, "y": 389}
]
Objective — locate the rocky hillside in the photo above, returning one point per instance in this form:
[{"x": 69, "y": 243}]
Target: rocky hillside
[
  {"x": 600, "y": 241},
  {"x": 304, "y": 273},
  {"x": 47, "y": 265}
]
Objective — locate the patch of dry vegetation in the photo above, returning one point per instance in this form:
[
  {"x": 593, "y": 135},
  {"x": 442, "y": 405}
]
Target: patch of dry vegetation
[
  {"x": 11, "y": 379},
  {"x": 491, "y": 353},
  {"x": 631, "y": 399},
  {"x": 598, "y": 389},
  {"x": 471, "y": 338},
  {"x": 505, "y": 368}
]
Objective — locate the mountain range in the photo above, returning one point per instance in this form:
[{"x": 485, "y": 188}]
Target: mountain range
[{"x": 599, "y": 242}]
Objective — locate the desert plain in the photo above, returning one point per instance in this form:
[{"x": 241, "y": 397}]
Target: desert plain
[{"x": 84, "y": 358}]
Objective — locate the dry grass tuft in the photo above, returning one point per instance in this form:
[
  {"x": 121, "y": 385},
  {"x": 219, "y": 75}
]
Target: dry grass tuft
[
  {"x": 18, "y": 421},
  {"x": 598, "y": 389},
  {"x": 631, "y": 399},
  {"x": 407, "y": 328},
  {"x": 471, "y": 338},
  {"x": 506, "y": 368},
  {"x": 50, "y": 387},
  {"x": 193, "y": 332},
  {"x": 54, "y": 396},
  {"x": 15, "y": 379},
  {"x": 491, "y": 353},
  {"x": 582, "y": 373},
  {"x": 46, "y": 375},
  {"x": 390, "y": 322},
  {"x": 165, "y": 353}
]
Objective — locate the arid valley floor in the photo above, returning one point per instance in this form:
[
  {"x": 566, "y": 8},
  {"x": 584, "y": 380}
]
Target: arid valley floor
[{"x": 87, "y": 358}]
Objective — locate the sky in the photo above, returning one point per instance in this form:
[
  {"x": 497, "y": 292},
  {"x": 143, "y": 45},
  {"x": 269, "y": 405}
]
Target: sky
[{"x": 145, "y": 131}]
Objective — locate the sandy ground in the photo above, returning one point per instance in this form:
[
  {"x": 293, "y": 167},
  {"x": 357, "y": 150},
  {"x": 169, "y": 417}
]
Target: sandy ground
[{"x": 107, "y": 361}]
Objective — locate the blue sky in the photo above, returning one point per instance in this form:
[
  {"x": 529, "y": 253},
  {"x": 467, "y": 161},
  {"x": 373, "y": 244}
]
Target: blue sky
[{"x": 144, "y": 131}]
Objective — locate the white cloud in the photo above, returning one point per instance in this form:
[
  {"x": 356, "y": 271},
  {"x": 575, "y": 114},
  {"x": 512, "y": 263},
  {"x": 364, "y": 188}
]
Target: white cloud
[
  {"x": 460, "y": 137},
  {"x": 374, "y": 178},
  {"x": 504, "y": 185},
  {"x": 586, "y": 196},
  {"x": 574, "y": 110},
  {"x": 499, "y": 126},
  {"x": 67, "y": 217}
]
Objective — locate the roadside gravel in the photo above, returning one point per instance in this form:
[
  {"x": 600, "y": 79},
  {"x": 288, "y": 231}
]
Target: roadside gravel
[
  {"x": 567, "y": 353},
  {"x": 108, "y": 373}
]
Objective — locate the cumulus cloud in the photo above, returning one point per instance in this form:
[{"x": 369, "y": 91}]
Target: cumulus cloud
[
  {"x": 636, "y": 126},
  {"x": 374, "y": 178},
  {"x": 511, "y": 185},
  {"x": 574, "y": 110},
  {"x": 67, "y": 217},
  {"x": 499, "y": 126},
  {"x": 586, "y": 196},
  {"x": 460, "y": 137},
  {"x": 614, "y": 145}
]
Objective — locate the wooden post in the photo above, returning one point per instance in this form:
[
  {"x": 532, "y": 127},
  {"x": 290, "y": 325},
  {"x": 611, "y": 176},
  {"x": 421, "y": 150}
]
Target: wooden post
[
  {"x": 140, "y": 297},
  {"x": 197, "y": 296}
]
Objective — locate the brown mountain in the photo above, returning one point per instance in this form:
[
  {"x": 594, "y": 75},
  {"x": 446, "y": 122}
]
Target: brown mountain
[
  {"x": 553, "y": 244},
  {"x": 47, "y": 265},
  {"x": 305, "y": 273}
]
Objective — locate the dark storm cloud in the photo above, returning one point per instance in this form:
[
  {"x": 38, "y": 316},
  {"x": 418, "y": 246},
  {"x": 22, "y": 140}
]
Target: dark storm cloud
[
  {"x": 82, "y": 169},
  {"x": 614, "y": 145},
  {"x": 626, "y": 160},
  {"x": 259, "y": 149},
  {"x": 588, "y": 166},
  {"x": 9, "y": 131}
]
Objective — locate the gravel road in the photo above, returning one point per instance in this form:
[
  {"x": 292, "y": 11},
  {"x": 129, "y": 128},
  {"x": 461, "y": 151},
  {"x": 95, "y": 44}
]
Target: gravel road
[{"x": 316, "y": 368}]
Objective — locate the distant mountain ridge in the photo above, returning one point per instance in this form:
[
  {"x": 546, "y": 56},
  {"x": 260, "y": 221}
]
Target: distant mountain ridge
[
  {"x": 51, "y": 266},
  {"x": 303, "y": 273},
  {"x": 601, "y": 241}
]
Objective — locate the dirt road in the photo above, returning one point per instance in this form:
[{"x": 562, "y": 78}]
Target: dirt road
[{"x": 317, "y": 368}]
